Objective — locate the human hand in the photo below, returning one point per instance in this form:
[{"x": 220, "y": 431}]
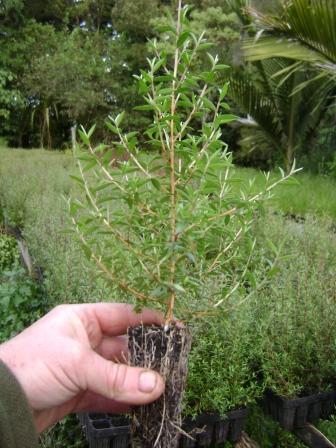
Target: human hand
[{"x": 73, "y": 360}]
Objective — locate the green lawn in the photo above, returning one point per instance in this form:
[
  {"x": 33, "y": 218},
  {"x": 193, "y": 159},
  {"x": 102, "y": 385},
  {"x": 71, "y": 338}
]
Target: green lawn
[{"x": 302, "y": 195}]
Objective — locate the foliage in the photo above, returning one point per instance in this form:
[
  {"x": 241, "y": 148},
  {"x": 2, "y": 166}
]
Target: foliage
[
  {"x": 8, "y": 97},
  {"x": 141, "y": 13},
  {"x": 221, "y": 376},
  {"x": 9, "y": 253},
  {"x": 35, "y": 204},
  {"x": 21, "y": 302},
  {"x": 70, "y": 278},
  {"x": 294, "y": 314},
  {"x": 267, "y": 432},
  {"x": 297, "y": 34},
  {"x": 306, "y": 195},
  {"x": 20, "y": 48},
  {"x": 328, "y": 428},
  {"x": 283, "y": 118},
  {"x": 20, "y": 297},
  {"x": 170, "y": 217},
  {"x": 65, "y": 433},
  {"x": 76, "y": 79}
]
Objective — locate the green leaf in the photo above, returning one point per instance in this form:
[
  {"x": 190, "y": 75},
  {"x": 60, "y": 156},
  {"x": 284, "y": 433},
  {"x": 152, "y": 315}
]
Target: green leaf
[
  {"x": 79, "y": 180},
  {"x": 178, "y": 288},
  {"x": 131, "y": 134},
  {"x": 156, "y": 183},
  {"x": 142, "y": 87},
  {"x": 226, "y": 118},
  {"x": 184, "y": 36},
  {"x": 221, "y": 67},
  {"x": 144, "y": 107},
  {"x": 209, "y": 104},
  {"x": 165, "y": 29},
  {"x": 84, "y": 137},
  {"x": 223, "y": 91},
  {"x": 158, "y": 64},
  {"x": 112, "y": 127},
  {"x": 89, "y": 165},
  {"x": 91, "y": 131},
  {"x": 119, "y": 118},
  {"x": 164, "y": 78},
  {"x": 205, "y": 46}
]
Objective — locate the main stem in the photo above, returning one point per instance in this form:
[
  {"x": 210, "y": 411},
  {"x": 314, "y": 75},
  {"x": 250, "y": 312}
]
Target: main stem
[{"x": 171, "y": 300}]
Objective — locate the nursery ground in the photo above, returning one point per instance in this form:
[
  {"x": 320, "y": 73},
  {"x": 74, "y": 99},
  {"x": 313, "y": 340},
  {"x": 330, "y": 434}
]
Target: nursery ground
[{"x": 33, "y": 185}]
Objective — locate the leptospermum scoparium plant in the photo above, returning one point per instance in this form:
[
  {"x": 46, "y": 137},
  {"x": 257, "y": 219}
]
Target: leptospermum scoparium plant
[{"x": 163, "y": 226}]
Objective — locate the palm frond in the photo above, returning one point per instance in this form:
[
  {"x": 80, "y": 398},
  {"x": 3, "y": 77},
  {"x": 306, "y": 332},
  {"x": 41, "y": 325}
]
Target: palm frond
[
  {"x": 286, "y": 117},
  {"x": 260, "y": 106},
  {"x": 305, "y": 32},
  {"x": 240, "y": 7}
]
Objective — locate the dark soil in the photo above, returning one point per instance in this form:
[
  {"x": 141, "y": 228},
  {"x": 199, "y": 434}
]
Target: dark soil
[{"x": 165, "y": 350}]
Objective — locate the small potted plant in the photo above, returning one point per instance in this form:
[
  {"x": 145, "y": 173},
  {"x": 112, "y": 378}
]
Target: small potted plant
[
  {"x": 162, "y": 221},
  {"x": 296, "y": 331},
  {"x": 221, "y": 380}
]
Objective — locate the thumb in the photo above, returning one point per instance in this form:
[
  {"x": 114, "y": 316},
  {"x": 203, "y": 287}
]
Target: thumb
[{"x": 131, "y": 385}]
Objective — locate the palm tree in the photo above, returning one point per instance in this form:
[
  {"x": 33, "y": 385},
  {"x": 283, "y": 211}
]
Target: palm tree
[
  {"x": 284, "y": 120},
  {"x": 285, "y": 98},
  {"x": 304, "y": 32}
]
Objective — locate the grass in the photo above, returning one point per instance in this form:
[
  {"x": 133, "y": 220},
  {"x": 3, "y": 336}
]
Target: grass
[{"x": 308, "y": 194}]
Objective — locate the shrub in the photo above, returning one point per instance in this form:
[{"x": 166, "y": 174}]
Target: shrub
[
  {"x": 221, "y": 366},
  {"x": 295, "y": 313},
  {"x": 9, "y": 253}
]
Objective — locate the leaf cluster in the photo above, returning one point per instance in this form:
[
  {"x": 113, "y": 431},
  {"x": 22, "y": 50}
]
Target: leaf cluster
[
  {"x": 294, "y": 314},
  {"x": 222, "y": 374},
  {"x": 20, "y": 297},
  {"x": 169, "y": 217},
  {"x": 9, "y": 253}
]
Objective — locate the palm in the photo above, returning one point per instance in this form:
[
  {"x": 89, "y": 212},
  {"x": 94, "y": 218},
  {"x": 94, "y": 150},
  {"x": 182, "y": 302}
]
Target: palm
[
  {"x": 304, "y": 32},
  {"x": 285, "y": 120}
]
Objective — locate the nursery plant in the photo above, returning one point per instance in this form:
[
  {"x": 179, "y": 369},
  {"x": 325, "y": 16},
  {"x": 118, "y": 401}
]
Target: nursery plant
[
  {"x": 159, "y": 218},
  {"x": 222, "y": 374},
  {"x": 20, "y": 297},
  {"x": 298, "y": 346},
  {"x": 9, "y": 252}
]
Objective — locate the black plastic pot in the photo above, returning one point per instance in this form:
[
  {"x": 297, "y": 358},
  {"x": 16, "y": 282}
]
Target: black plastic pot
[
  {"x": 236, "y": 424},
  {"x": 297, "y": 412},
  {"x": 106, "y": 430},
  {"x": 210, "y": 430}
]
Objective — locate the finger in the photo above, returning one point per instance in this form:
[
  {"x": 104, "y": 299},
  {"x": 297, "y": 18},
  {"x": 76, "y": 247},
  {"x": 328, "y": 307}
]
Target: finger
[
  {"x": 113, "y": 348},
  {"x": 130, "y": 385},
  {"x": 114, "y": 318}
]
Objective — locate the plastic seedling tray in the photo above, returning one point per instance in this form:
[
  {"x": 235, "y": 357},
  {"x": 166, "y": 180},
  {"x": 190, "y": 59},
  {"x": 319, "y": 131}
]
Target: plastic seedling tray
[
  {"x": 297, "y": 412},
  {"x": 207, "y": 430},
  {"x": 107, "y": 431}
]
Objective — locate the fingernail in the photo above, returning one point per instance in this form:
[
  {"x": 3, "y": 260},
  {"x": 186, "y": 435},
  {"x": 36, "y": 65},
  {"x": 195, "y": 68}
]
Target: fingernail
[{"x": 147, "y": 382}]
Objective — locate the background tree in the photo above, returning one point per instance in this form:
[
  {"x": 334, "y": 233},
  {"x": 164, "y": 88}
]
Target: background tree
[
  {"x": 304, "y": 32},
  {"x": 281, "y": 123},
  {"x": 287, "y": 118}
]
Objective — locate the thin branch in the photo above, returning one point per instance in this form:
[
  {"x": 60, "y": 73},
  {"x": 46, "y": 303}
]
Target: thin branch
[
  {"x": 113, "y": 231},
  {"x": 106, "y": 173},
  {"x": 121, "y": 284},
  {"x": 171, "y": 301}
]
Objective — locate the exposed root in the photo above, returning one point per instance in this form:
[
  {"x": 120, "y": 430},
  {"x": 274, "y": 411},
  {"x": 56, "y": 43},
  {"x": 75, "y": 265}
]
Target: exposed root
[{"x": 166, "y": 351}]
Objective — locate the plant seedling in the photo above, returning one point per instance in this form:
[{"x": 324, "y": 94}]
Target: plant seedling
[{"x": 163, "y": 225}]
